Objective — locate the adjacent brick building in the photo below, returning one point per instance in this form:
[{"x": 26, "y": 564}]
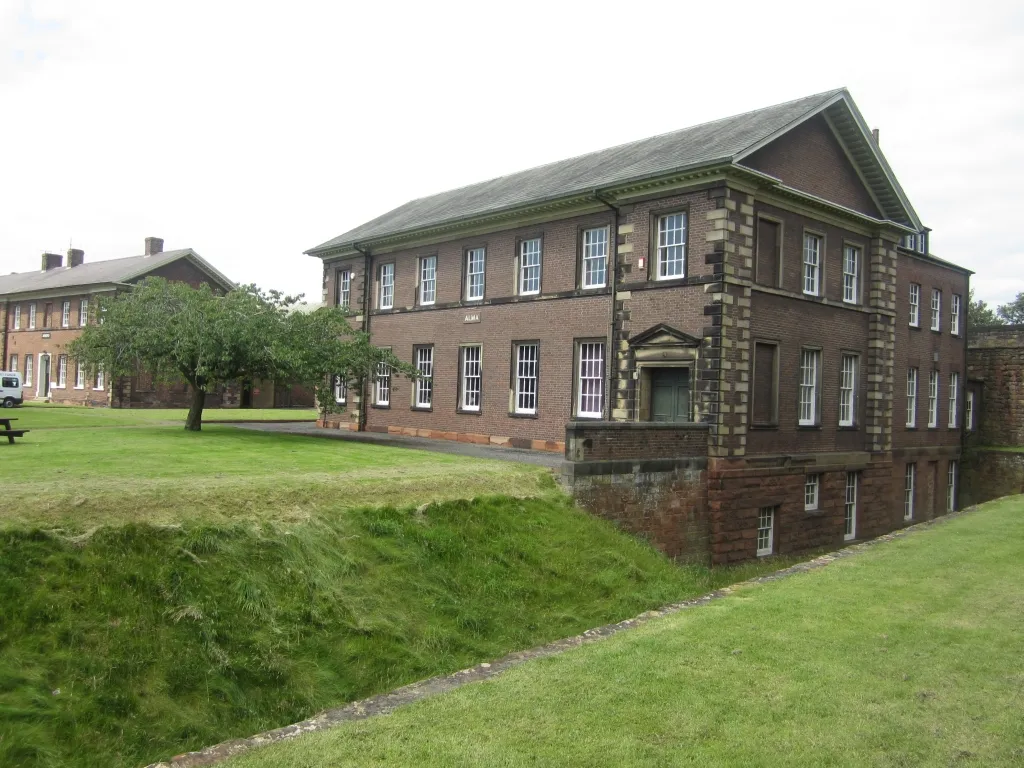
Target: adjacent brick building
[
  {"x": 754, "y": 275},
  {"x": 42, "y": 312}
]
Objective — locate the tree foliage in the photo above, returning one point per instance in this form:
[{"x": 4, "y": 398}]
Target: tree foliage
[
  {"x": 1013, "y": 311},
  {"x": 175, "y": 331},
  {"x": 979, "y": 313}
]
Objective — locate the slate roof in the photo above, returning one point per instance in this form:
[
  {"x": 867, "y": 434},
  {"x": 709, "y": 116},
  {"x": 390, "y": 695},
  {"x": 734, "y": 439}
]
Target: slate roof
[
  {"x": 706, "y": 144},
  {"x": 98, "y": 272}
]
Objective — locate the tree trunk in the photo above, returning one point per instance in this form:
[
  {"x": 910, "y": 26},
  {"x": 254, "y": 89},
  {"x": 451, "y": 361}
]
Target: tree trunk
[{"x": 194, "y": 420}]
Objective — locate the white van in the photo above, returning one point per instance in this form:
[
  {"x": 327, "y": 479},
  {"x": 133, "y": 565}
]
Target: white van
[{"x": 10, "y": 389}]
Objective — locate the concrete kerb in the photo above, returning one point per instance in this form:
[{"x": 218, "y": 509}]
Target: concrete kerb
[{"x": 386, "y": 703}]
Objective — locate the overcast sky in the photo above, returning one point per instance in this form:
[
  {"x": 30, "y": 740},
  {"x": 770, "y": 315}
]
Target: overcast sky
[{"x": 253, "y": 131}]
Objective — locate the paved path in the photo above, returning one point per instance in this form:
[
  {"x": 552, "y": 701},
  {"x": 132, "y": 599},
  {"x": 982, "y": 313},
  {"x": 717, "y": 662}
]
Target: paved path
[{"x": 541, "y": 458}]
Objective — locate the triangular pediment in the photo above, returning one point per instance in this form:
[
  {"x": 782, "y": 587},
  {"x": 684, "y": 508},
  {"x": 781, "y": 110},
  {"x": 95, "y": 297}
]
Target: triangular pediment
[
  {"x": 834, "y": 134},
  {"x": 662, "y": 335}
]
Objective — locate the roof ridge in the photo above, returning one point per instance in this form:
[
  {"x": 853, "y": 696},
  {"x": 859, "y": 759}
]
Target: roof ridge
[{"x": 824, "y": 95}]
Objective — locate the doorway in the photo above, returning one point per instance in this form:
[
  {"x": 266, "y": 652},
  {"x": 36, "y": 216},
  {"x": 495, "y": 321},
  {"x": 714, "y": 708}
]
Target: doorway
[
  {"x": 44, "y": 376},
  {"x": 670, "y": 394}
]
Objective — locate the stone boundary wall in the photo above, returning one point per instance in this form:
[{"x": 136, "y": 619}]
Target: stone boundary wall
[
  {"x": 649, "y": 479},
  {"x": 338, "y": 421},
  {"x": 987, "y": 475},
  {"x": 995, "y": 357}
]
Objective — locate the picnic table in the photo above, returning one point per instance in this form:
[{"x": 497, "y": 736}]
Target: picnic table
[{"x": 10, "y": 433}]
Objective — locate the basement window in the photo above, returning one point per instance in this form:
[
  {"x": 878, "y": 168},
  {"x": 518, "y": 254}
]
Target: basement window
[
  {"x": 765, "y": 531},
  {"x": 812, "y": 485}
]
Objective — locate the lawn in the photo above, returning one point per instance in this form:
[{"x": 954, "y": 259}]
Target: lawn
[
  {"x": 34, "y": 415},
  {"x": 909, "y": 654},
  {"x": 63, "y": 474},
  {"x": 162, "y": 590}
]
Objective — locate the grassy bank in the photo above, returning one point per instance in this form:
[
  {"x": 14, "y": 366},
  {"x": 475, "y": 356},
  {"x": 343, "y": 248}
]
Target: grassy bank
[
  {"x": 907, "y": 655},
  {"x": 139, "y": 642}
]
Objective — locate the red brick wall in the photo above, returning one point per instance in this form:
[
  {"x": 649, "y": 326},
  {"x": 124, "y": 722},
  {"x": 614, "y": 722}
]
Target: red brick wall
[
  {"x": 995, "y": 358},
  {"x": 553, "y": 323},
  {"x": 918, "y": 347},
  {"x": 810, "y": 159},
  {"x": 796, "y": 323}
]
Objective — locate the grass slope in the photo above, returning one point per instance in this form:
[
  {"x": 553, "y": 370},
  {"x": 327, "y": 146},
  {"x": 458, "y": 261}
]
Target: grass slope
[
  {"x": 907, "y": 655},
  {"x": 76, "y": 479},
  {"x": 139, "y": 642}
]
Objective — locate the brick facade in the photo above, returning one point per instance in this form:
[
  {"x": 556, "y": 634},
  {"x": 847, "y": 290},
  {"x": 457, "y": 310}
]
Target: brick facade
[
  {"x": 742, "y": 291},
  {"x": 995, "y": 366}
]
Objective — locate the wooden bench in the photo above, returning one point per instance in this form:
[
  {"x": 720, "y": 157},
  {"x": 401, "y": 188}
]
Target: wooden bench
[{"x": 10, "y": 433}]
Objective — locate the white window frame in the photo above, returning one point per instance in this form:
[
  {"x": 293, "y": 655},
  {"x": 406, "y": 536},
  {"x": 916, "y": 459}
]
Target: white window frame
[
  {"x": 527, "y": 378},
  {"x": 65, "y": 314},
  {"x": 62, "y": 372},
  {"x": 954, "y": 399},
  {"x": 529, "y": 272},
  {"x": 13, "y": 363},
  {"x": 386, "y": 298},
  {"x": 29, "y": 369},
  {"x": 428, "y": 281},
  {"x": 79, "y": 375},
  {"x": 812, "y": 491},
  {"x": 671, "y": 262},
  {"x": 471, "y": 378},
  {"x": 765, "y": 531},
  {"x": 810, "y": 378},
  {"x": 812, "y": 264},
  {"x": 951, "y": 486},
  {"x": 954, "y": 315},
  {"x": 474, "y": 286},
  {"x": 17, "y": 317},
  {"x": 382, "y": 385},
  {"x": 851, "y": 274},
  {"x": 909, "y": 483},
  {"x": 933, "y": 399},
  {"x": 424, "y": 387},
  {"x": 848, "y": 390},
  {"x": 590, "y": 379},
  {"x": 936, "y": 310},
  {"x": 98, "y": 387},
  {"x": 340, "y": 390},
  {"x": 595, "y": 257},
  {"x": 83, "y": 313},
  {"x": 915, "y": 305},
  {"x": 850, "y": 507},
  {"x": 969, "y": 410},
  {"x": 32, "y": 316},
  {"x": 912, "y": 397},
  {"x": 344, "y": 298}
]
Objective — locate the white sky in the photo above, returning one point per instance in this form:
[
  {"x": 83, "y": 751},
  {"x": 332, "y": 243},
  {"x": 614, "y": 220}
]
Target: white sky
[{"x": 252, "y": 131}]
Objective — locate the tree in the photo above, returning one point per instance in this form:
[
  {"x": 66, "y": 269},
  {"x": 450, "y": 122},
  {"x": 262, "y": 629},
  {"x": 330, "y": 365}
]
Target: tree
[
  {"x": 322, "y": 345},
  {"x": 1013, "y": 311},
  {"x": 979, "y": 313}
]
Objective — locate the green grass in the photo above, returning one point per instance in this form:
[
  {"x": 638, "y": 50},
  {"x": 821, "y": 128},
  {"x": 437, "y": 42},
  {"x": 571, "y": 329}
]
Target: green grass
[
  {"x": 78, "y": 478},
  {"x": 907, "y": 655},
  {"x": 139, "y": 642},
  {"x": 50, "y": 416}
]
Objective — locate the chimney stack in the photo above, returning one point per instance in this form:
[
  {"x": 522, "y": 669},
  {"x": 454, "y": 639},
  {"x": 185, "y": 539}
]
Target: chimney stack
[
  {"x": 52, "y": 261},
  {"x": 76, "y": 257},
  {"x": 154, "y": 245},
  {"x": 874, "y": 132}
]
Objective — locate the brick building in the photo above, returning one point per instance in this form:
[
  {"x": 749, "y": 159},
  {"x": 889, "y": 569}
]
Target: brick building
[
  {"x": 762, "y": 280},
  {"x": 41, "y": 312}
]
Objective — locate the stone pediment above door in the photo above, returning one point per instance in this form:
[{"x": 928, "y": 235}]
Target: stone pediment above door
[{"x": 663, "y": 342}]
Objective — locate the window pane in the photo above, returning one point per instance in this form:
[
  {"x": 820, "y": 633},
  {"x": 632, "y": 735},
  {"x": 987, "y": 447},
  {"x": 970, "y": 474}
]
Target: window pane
[
  {"x": 428, "y": 279},
  {"x": 591, "y": 383},
  {"x": 812, "y": 254},
  {"x": 475, "y": 273},
  {"x": 526, "y": 378},
  {"x": 847, "y": 390},
  {"x": 425, "y": 382},
  {"x": 529, "y": 266},
  {"x": 850, "y": 507},
  {"x": 765, "y": 530},
  {"x": 672, "y": 246},
  {"x": 808, "y": 386},
  {"x": 595, "y": 257},
  {"x": 471, "y": 378},
  {"x": 387, "y": 286},
  {"x": 912, "y": 397},
  {"x": 851, "y": 273}
]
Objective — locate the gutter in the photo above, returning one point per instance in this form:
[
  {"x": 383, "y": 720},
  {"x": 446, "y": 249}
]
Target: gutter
[
  {"x": 364, "y": 399},
  {"x": 613, "y": 244}
]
